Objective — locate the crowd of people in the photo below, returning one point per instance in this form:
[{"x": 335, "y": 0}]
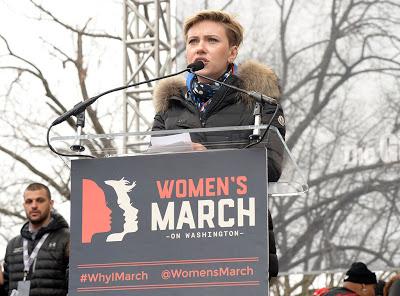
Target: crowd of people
[{"x": 36, "y": 261}]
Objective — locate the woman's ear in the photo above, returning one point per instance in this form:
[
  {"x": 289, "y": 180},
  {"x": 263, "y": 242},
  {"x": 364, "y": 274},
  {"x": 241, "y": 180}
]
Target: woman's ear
[{"x": 233, "y": 52}]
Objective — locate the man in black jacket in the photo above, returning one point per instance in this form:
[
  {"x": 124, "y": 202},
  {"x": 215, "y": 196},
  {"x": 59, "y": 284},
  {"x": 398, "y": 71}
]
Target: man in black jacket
[{"x": 37, "y": 260}]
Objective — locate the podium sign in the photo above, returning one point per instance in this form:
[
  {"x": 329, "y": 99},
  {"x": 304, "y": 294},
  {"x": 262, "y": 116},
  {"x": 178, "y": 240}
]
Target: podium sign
[{"x": 170, "y": 224}]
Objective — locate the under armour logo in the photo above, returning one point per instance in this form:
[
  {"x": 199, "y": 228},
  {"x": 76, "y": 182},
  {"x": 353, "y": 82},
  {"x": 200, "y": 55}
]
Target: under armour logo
[
  {"x": 52, "y": 245},
  {"x": 17, "y": 250}
]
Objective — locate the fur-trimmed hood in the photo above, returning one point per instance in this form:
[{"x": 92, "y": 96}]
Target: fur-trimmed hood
[{"x": 254, "y": 76}]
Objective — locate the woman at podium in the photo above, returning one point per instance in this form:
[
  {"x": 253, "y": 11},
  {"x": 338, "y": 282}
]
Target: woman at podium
[{"x": 213, "y": 38}]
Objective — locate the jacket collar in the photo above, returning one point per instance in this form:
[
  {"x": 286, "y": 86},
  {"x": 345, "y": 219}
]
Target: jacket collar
[
  {"x": 56, "y": 222},
  {"x": 252, "y": 75}
]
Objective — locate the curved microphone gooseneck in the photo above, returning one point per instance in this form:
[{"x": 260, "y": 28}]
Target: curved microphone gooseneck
[{"x": 81, "y": 107}]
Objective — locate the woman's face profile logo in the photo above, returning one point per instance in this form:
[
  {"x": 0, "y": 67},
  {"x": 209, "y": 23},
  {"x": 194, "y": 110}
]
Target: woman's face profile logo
[{"x": 96, "y": 216}]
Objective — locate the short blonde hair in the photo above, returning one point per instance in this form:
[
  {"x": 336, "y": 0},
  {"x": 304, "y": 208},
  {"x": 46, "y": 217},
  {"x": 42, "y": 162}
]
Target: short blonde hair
[{"x": 234, "y": 29}]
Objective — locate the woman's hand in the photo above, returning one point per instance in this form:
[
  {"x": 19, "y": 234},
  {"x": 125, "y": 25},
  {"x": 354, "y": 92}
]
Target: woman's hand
[{"x": 198, "y": 147}]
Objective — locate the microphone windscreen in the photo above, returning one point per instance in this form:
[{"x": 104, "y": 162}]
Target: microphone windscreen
[{"x": 196, "y": 66}]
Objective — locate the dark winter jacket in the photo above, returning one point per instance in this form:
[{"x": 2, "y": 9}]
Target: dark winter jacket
[
  {"x": 49, "y": 272},
  {"x": 227, "y": 108},
  {"x": 2, "y": 291},
  {"x": 174, "y": 110}
]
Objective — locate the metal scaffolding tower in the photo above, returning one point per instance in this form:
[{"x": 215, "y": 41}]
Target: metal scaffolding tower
[{"x": 147, "y": 42}]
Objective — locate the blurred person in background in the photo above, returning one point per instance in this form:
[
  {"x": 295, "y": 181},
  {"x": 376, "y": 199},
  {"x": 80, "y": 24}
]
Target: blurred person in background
[
  {"x": 359, "y": 281},
  {"x": 379, "y": 288},
  {"x": 36, "y": 261},
  {"x": 392, "y": 287}
]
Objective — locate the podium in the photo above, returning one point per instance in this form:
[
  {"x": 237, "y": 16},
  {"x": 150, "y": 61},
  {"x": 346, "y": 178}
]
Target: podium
[{"x": 154, "y": 217}]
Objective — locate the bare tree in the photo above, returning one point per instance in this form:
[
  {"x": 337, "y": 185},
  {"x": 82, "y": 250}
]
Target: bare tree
[
  {"x": 338, "y": 62},
  {"x": 350, "y": 212},
  {"x": 32, "y": 100}
]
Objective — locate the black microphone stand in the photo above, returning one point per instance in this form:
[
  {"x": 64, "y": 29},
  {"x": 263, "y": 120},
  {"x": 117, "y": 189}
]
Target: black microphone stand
[
  {"x": 81, "y": 107},
  {"x": 255, "y": 138}
]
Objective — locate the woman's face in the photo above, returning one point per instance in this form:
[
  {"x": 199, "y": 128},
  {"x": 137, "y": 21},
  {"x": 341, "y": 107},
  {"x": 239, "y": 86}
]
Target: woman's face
[
  {"x": 96, "y": 216},
  {"x": 207, "y": 41}
]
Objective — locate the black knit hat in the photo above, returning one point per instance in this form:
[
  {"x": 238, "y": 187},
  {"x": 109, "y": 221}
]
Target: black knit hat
[{"x": 359, "y": 273}]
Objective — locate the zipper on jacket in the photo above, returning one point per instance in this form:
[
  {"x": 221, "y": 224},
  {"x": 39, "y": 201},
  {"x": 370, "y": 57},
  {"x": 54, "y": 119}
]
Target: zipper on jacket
[
  {"x": 214, "y": 106},
  {"x": 203, "y": 118}
]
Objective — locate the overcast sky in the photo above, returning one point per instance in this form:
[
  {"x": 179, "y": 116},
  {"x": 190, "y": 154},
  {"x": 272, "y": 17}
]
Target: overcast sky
[{"x": 20, "y": 26}]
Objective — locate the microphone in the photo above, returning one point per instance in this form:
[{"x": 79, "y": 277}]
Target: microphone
[
  {"x": 259, "y": 97},
  {"x": 196, "y": 66},
  {"x": 81, "y": 107}
]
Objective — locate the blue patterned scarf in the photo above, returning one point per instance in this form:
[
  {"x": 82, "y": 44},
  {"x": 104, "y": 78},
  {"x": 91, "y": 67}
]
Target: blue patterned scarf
[{"x": 202, "y": 93}]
